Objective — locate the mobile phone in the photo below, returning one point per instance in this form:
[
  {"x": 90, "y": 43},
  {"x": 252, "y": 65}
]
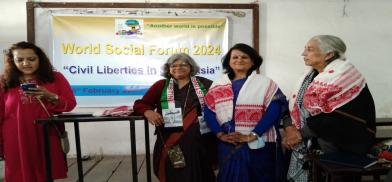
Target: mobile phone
[{"x": 26, "y": 86}]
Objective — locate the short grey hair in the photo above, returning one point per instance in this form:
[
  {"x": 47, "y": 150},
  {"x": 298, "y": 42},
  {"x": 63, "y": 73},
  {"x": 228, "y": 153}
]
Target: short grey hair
[
  {"x": 183, "y": 57},
  {"x": 330, "y": 43}
]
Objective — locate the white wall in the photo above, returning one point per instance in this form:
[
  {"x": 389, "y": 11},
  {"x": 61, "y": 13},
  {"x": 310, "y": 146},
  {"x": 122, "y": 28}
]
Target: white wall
[
  {"x": 285, "y": 26},
  {"x": 13, "y": 24},
  {"x": 364, "y": 26}
]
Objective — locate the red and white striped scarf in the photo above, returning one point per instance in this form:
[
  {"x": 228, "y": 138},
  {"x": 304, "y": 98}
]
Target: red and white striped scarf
[
  {"x": 338, "y": 84},
  {"x": 253, "y": 100}
]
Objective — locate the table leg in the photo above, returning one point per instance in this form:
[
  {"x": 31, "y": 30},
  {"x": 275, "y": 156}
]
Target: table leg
[
  {"x": 147, "y": 143},
  {"x": 133, "y": 151},
  {"x": 78, "y": 151},
  {"x": 47, "y": 153}
]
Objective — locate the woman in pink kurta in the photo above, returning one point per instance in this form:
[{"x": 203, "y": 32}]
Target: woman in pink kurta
[{"x": 21, "y": 139}]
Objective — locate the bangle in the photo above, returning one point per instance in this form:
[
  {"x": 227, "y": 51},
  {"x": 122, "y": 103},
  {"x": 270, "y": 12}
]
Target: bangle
[
  {"x": 54, "y": 98},
  {"x": 253, "y": 134}
]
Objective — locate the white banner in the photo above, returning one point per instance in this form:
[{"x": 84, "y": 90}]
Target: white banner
[{"x": 110, "y": 60}]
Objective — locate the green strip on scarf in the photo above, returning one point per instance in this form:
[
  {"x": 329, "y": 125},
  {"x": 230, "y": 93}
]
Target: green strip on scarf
[
  {"x": 164, "y": 103},
  {"x": 202, "y": 88}
]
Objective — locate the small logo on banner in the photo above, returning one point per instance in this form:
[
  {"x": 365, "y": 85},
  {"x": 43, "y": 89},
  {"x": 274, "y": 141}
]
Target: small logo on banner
[{"x": 129, "y": 28}]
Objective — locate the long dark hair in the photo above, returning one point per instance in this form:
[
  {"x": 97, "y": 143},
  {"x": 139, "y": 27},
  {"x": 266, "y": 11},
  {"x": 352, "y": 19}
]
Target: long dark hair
[
  {"x": 12, "y": 75},
  {"x": 252, "y": 53}
]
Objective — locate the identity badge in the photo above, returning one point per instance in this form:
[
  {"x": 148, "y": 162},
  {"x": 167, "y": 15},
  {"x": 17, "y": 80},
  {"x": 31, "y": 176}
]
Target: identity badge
[{"x": 172, "y": 117}]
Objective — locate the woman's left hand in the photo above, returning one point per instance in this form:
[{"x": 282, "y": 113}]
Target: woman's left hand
[{"x": 41, "y": 93}]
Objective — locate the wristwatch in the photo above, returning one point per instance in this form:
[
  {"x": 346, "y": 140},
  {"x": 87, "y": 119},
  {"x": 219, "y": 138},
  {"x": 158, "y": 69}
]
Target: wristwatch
[{"x": 254, "y": 134}]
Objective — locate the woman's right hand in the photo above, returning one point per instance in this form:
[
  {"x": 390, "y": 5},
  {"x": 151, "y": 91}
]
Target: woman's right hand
[
  {"x": 153, "y": 117},
  {"x": 229, "y": 138},
  {"x": 292, "y": 138}
]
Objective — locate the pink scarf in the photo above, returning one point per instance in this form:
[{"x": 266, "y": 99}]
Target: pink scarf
[{"x": 338, "y": 84}]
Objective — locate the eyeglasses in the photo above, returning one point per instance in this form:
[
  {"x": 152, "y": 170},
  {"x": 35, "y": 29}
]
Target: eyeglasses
[{"x": 181, "y": 65}]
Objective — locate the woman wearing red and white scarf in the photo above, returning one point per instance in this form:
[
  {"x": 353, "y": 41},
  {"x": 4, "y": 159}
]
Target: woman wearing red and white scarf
[
  {"x": 244, "y": 109},
  {"x": 174, "y": 105},
  {"x": 331, "y": 107}
]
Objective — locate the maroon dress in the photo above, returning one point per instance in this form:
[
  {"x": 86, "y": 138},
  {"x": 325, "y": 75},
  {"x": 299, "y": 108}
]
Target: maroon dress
[{"x": 199, "y": 150}]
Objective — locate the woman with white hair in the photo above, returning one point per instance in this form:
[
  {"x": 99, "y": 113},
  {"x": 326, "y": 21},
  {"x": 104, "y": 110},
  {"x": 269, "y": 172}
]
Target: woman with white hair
[{"x": 331, "y": 107}]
